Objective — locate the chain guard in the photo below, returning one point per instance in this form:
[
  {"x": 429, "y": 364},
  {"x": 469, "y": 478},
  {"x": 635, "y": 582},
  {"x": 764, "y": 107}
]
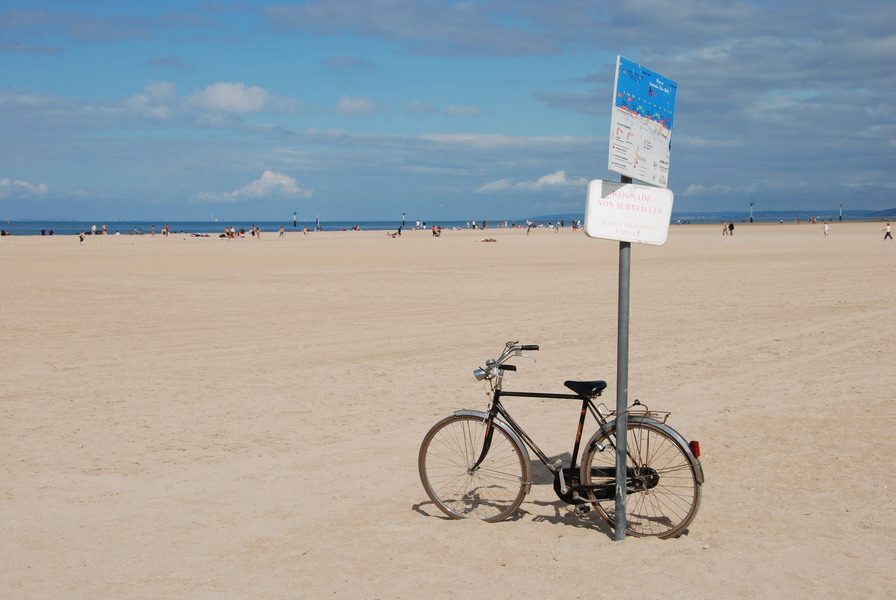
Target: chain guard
[{"x": 639, "y": 480}]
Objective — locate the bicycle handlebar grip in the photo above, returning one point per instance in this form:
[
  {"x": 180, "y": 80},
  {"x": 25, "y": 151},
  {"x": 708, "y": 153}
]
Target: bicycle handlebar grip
[
  {"x": 529, "y": 347},
  {"x": 508, "y": 367}
]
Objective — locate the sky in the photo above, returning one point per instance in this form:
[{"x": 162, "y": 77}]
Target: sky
[{"x": 454, "y": 110}]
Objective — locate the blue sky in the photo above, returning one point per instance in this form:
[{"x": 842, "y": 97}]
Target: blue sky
[{"x": 364, "y": 109}]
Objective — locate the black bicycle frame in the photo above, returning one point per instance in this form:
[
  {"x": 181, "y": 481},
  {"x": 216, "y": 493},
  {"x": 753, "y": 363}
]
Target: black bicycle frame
[{"x": 498, "y": 409}]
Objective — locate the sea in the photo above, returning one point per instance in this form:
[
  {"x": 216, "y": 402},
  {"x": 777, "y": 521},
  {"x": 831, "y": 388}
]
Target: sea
[
  {"x": 138, "y": 227},
  {"x": 37, "y": 227}
]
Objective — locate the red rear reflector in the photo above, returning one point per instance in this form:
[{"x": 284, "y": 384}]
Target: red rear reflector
[{"x": 695, "y": 448}]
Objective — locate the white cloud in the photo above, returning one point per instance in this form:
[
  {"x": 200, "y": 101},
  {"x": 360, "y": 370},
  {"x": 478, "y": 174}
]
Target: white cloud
[
  {"x": 497, "y": 140},
  {"x": 417, "y": 107},
  {"x": 352, "y": 105},
  {"x": 21, "y": 189},
  {"x": 697, "y": 189},
  {"x": 161, "y": 91},
  {"x": 232, "y": 98},
  {"x": 218, "y": 104},
  {"x": 19, "y": 98},
  {"x": 496, "y": 186},
  {"x": 699, "y": 142},
  {"x": 159, "y": 100},
  {"x": 269, "y": 185},
  {"x": 558, "y": 179}
]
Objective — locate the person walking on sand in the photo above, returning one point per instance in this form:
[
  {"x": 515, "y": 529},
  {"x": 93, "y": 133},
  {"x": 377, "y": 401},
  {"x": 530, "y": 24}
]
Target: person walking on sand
[
  {"x": 731, "y": 228},
  {"x": 724, "y": 229},
  {"x": 826, "y": 229},
  {"x": 887, "y": 230}
]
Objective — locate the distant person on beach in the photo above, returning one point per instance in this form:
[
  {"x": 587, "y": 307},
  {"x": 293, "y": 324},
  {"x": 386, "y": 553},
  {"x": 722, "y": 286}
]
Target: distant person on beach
[
  {"x": 731, "y": 228},
  {"x": 826, "y": 229},
  {"x": 281, "y": 231},
  {"x": 724, "y": 228},
  {"x": 153, "y": 230},
  {"x": 887, "y": 234},
  {"x": 82, "y": 237},
  {"x": 93, "y": 230}
]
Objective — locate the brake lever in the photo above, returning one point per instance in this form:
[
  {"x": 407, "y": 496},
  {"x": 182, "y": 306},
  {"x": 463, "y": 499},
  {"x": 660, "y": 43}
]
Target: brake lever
[{"x": 532, "y": 358}]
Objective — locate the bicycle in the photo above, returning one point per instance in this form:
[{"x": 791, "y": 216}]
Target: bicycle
[{"x": 475, "y": 464}]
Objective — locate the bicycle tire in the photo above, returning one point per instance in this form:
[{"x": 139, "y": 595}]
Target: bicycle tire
[
  {"x": 663, "y": 489},
  {"x": 492, "y": 492}
]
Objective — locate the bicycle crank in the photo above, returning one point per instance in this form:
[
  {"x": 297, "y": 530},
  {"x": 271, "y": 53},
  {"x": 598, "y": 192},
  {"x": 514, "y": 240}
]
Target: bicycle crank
[{"x": 572, "y": 481}]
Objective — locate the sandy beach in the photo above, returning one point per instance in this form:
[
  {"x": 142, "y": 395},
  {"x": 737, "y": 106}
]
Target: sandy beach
[{"x": 207, "y": 418}]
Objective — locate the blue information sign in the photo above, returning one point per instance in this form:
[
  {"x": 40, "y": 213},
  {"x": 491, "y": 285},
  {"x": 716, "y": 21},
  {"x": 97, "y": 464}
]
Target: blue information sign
[{"x": 641, "y": 124}]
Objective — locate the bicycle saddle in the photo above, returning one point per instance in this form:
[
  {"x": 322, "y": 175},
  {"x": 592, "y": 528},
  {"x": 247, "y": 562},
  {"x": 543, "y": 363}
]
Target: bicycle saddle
[{"x": 588, "y": 389}]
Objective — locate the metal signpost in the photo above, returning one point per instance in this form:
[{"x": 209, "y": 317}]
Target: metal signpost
[{"x": 640, "y": 144}]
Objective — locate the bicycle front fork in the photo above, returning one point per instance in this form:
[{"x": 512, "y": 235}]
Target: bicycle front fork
[{"x": 486, "y": 445}]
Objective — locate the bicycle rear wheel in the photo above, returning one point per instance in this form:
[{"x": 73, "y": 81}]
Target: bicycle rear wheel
[
  {"x": 663, "y": 491},
  {"x": 493, "y": 490}
]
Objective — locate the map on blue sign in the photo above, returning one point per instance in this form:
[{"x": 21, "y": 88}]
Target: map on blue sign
[{"x": 641, "y": 124}]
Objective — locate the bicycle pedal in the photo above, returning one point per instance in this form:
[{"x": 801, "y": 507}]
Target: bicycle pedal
[{"x": 583, "y": 510}]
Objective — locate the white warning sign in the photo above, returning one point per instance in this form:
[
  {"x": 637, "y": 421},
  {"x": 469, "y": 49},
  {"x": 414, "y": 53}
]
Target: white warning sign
[{"x": 627, "y": 212}]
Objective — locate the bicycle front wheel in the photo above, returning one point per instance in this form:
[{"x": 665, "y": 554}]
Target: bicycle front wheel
[
  {"x": 491, "y": 491},
  {"x": 662, "y": 489}
]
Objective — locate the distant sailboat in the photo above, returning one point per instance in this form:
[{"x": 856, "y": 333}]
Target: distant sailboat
[{"x": 318, "y": 227}]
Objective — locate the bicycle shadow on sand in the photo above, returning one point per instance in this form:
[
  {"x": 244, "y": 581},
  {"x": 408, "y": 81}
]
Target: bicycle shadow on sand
[
  {"x": 541, "y": 476},
  {"x": 563, "y": 513}
]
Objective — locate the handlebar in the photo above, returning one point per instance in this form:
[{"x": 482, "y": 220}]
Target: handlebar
[{"x": 494, "y": 366}]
